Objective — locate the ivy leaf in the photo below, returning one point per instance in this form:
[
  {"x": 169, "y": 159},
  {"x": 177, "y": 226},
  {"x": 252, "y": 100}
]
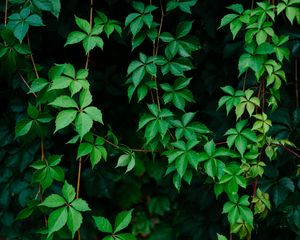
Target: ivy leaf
[
  {"x": 19, "y": 22},
  {"x": 103, "y": 224},
  {"x": 83, "y": 124},
  {"x": 64, "y": 102},
  {"x": 74, "y": 220},
  {"x": 254, "y": 62},
  {"x": 127, "y": 160},
  {"x": 53, "y": 201},
  {"x": 94, "y": 113},
  {"x": 80, "y": 205},
  {"x": 68, "y": 192},
  {"x": 57, "y": 219},
  {"x": 52, "y": 6},
  {"x": 125, "y": 236},
  {"x": 85, "y": 98},
  {"x": 231, "y": 100},
  {"x": 248, "y": 103},
  {"x": 23, "y": 127},
  {"x": 122, "y": 220},
  {"x": 83, "y": 24},
  {"x": 184, "y": 6},
  {"x": 64, "y": 119},
  {"x": 75, "y": 37}
]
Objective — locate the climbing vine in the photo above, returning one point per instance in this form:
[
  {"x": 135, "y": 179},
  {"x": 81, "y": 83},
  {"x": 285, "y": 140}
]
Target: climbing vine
[{"x": 227, "y": 147}]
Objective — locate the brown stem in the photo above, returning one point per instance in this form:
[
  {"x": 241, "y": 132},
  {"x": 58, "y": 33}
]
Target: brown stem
[
  {"x": 289, "y": 150},
  {"x": 80, "y": 159},
  {"x": 42, "y": 149},
  {"x": 258, "y": 96},
  {"x": 78, "y": 177},
  {"x": 26, "y": 83},
  {"x": 220, "y": 143},
  {"x": 252, "y": 4},
  {"x": 32, "y": 59},
  {"x": 5, "y": 14},
  {"x": 91, "y": 26},
  {"x": 40, "y": 109},
  {"x": 296, "y": 82},
  {"x": 256, "y": 181},
  {"x": 263, "y": 95},
  {"x": 155, "y": 50},
  {"x": 133, "y": 149},
  {"x": 245, "y": 78}
]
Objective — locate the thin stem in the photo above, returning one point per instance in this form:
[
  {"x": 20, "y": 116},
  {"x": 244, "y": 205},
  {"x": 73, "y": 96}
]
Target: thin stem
[
  {"x": 263, "y": 95},
  {"x": 220, "y": 143},
  {"x": 78, "y": 177},
  {"x": 91, "y": 26},
  {"x": 258, "y": 96},
  {"x": 40, "y": 110},
  {"x": 42, "y": 149},
  {"x": 80, "y": 159},
  {"x": 5, "y": 14},
  {"x": 244, "y": 83},
  {"x": 132, "y": 149},
  {"x": 296, "y": 82},
  {"x": 289, "y": 150},
  {"x": 252, "y": 4},
  {"x": 256, "y": 182},
  {"x": 26, "y": 83},
  {"x": 155, "y": 49},
  {"x": 32, "y": 59}
]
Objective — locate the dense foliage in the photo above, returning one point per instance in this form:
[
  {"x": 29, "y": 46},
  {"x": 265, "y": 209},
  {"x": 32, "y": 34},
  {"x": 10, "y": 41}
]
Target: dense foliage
[{"x": 149, "y": 119}]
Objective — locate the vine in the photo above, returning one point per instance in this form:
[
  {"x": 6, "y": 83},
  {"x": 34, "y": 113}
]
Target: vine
[{"x": 160, "y": 78}]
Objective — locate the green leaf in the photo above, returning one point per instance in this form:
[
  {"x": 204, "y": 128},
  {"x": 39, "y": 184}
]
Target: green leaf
[
  {"x": 64, "y": 119},
  {"x": 125, "y": 236},
  {"x": 35, "y": 20},
  {"x": 64, "y": 102},
  {"x": 247, "y": 61},
  {"x": 75, "y": 37},
  {"x": 221, "y": 237},
  {"x": 38, "y": 84},
  {"x": 57, "y": 219},
  {"x": 80, "y": 205},
  {"x": 235, "y": 27},
  {"x": 181, "y": 165},
  {"x": 23, "y": 127},
  {"x": 228, "y": 19},
  {"x": 52, "y": 6},
  {"x": 94, "y": 113},
  {"x": 53, "y": 201},
  {"x": 68, "y": 192},
  {"x": 103, "y": 224},
  {"x": 83, "y": 124},
  {"x": 241, "y": 144},
  {"x": 84, "y": 149},
  {"x": 183, "y": 28},
  {"x": 74, "y": 220},
  {"x": 122, "y": 220},
  {"x": 83, "y": 24},
  {"x": 85, "y": 98},
  {"x": 21, "y": 30}
]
